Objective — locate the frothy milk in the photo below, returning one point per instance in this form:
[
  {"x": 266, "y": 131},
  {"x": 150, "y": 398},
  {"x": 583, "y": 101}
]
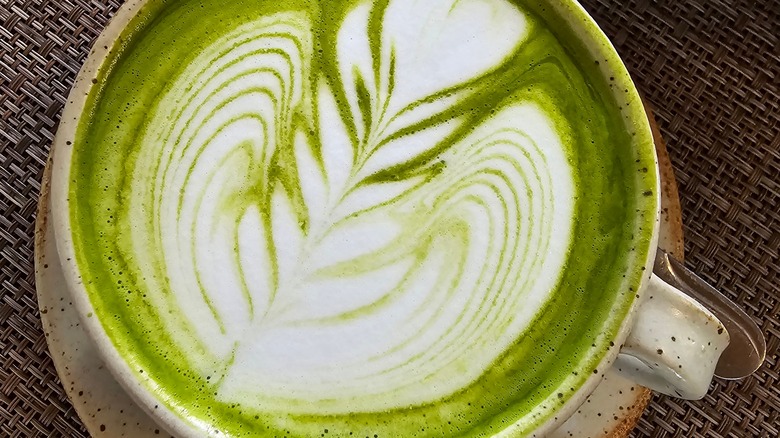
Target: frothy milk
[{"x": 401, "y": 217}]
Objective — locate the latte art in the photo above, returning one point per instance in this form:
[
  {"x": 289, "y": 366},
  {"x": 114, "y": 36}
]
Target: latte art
[
  {"x": 356, "y": 216},
  {"x": 349, "y": 254}
]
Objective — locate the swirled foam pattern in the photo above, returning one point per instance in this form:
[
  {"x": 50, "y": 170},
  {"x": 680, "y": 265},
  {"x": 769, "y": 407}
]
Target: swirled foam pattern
[{"x": 355, "y": 218}]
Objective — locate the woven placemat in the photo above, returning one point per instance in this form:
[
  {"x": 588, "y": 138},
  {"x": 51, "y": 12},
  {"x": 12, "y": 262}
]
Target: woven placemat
[{"x": 711, "y": 70}]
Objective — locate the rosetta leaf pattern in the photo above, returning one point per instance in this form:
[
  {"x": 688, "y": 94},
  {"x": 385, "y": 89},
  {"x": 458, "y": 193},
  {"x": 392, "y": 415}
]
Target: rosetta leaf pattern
[{"x": 310, "y": 192}]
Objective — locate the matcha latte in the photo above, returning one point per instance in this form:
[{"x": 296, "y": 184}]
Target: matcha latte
[{"x": 352, "y": 218}]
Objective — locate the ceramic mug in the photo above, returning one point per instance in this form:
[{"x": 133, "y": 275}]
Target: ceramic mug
[{"x": 164, "y": 168}]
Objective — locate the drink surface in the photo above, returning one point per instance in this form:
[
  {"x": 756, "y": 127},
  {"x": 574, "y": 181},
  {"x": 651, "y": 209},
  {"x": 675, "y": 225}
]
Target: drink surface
[{"x": 390, "y": 218}]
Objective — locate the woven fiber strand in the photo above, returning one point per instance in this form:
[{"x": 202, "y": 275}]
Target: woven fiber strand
[{"x": 710, "y": 69}]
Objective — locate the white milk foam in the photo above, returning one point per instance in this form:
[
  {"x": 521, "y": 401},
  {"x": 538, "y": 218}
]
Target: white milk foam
[{"x": 361, "y": 295}]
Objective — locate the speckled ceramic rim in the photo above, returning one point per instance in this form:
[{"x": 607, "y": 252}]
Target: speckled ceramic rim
[
  {"x": 601, "y": 48},
  {"x": 576, "y": 16}
]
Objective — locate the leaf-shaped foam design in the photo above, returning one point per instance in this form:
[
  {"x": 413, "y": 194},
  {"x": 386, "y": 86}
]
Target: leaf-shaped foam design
[{"x": 358, "y": 239}]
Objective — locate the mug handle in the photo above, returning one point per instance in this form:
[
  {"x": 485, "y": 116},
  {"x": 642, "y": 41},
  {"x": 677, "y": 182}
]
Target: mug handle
[{"x": 674, "y": 345}]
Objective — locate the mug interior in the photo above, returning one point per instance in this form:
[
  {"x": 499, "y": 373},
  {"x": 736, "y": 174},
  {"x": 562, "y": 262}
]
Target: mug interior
[{"x": 142, "y": 378}]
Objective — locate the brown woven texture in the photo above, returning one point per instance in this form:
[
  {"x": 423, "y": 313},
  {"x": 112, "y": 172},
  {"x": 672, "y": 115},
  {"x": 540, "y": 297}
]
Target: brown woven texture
[{"x": 710, "y": 68}]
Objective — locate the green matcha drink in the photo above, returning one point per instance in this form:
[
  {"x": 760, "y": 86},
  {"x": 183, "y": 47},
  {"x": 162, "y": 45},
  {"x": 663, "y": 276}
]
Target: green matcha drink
[{"x": 352, "y": 218}]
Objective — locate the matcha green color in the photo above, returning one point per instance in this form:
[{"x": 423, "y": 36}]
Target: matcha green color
[{"x": 614, "y": 213}]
